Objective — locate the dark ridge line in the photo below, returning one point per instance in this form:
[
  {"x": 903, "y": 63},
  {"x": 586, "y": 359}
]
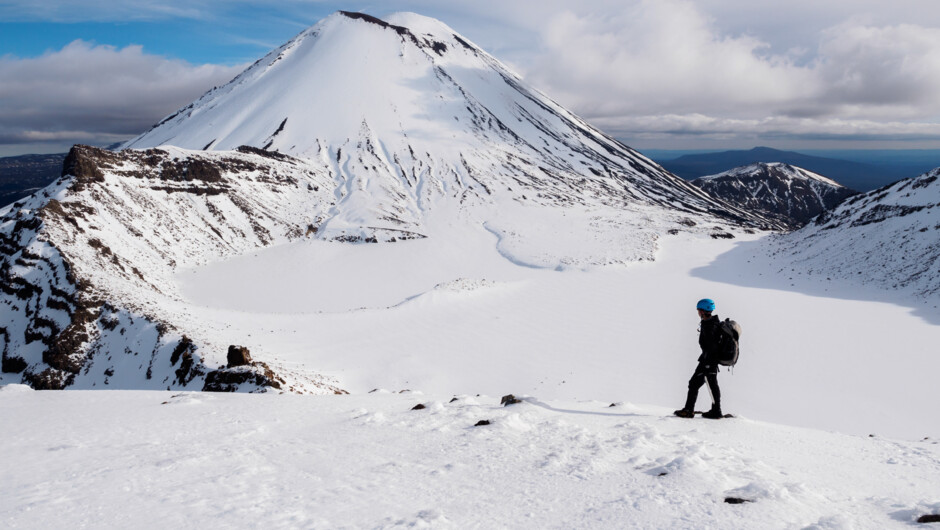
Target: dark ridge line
[
  {"x": 401, "y": 30},
  {"x": 464, "y": 43},
  {"x": 279, "y": 128}
]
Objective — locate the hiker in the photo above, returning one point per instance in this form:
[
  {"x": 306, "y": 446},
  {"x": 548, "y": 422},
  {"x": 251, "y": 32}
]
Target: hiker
[{"x": 710, "y": 339}]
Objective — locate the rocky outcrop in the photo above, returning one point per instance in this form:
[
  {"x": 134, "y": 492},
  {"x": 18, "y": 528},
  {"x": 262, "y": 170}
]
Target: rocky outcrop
[
  {"x": 86, "y": 266},
  {"x": 256, "y": 375},
  {"x": 238, "y": 356}
]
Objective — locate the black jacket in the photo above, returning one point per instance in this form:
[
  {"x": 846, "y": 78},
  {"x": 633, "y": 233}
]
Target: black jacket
[{"x": 709, "y": 338}]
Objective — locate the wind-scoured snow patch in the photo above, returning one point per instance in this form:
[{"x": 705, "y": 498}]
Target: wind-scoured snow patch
[
  {"x": 455, "y": 291},
  {"x": 574, "y": 239},
  {"x": 464, "y": 285}
]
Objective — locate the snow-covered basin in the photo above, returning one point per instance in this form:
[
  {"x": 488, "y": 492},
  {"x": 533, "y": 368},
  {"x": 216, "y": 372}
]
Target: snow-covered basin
[
  {"x": 126, "y": 459},
  {"x": 371, "y": 316}
]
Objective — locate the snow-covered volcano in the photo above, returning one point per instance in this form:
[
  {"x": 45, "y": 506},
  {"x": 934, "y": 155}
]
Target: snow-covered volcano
[
  {"x": 407, "y": 111},
  {"x": 789, "y": 195}
]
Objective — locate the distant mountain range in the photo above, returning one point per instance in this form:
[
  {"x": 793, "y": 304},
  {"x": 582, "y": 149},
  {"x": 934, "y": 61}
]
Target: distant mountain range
[{"x": 856, "y": 175}]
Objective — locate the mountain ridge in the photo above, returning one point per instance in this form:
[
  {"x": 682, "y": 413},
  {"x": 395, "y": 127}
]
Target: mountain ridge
[
  {"x": 855, "y": 175},
  {"x": 886, "y": 237},
  {"x": 87, "y": 264},
  {"x": 789, "y": 194}
]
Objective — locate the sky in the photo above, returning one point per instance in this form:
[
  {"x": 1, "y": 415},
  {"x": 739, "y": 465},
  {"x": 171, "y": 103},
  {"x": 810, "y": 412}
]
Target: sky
[{"x": 659, "y": 74}]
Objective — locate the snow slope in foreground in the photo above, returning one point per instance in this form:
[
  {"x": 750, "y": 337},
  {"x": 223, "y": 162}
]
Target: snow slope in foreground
[{"x": 159, "y": 460}]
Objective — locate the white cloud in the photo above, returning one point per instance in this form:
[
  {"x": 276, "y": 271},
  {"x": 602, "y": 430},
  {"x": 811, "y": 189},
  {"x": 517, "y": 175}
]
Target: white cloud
[
  {"x": 666, "y": 67},
  {"x": 661, "y": 56},
  {"x": 96, "y": 93},
  {"x": 897, "y": 67}
]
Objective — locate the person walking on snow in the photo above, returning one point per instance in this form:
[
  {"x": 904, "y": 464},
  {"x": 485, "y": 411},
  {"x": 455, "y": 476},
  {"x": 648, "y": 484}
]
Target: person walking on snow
[{"x": 709, "y": 338}]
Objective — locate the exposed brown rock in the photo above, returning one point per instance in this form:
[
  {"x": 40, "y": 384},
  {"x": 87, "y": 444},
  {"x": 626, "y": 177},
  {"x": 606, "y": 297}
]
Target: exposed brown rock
[
  {"x": 49, "y": 379},
  {"x": 80, "y": 163},
  {"x": 263, "y": 152},
  {"x": 65, "y": 352},
  {"x": 183, "y": 346},
  {"x": 229, "y": 379},
  {"x": 184, "y": 353},
  {"x": 238, "y": 356}
]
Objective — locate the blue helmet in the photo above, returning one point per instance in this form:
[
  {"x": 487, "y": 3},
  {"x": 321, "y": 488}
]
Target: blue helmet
[{"x": 706, "y": 304}]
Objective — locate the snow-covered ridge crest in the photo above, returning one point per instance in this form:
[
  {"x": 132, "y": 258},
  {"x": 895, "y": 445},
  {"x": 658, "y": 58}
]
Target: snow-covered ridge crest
[
  {"x": 407, "y": 112},
  {"x": 888, "y": 237},
  {"x": 791, "y": 196},
  {"x": 88, "y": 297},
  {"x": 791, "y": 171}
]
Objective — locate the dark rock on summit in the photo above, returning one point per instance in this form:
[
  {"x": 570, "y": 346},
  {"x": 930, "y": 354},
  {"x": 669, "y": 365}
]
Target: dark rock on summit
[{"x": 509, "y": 399}]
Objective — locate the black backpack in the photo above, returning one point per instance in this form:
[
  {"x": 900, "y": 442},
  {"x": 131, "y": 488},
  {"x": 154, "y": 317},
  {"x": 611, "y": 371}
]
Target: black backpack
[{"x": 731, "y": 331}]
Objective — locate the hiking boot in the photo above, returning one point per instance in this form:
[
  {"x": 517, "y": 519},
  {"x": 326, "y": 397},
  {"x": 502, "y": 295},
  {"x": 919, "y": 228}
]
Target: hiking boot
[
  {"x": 713, "y": 414},
  {"x": 684, "y": 413}
]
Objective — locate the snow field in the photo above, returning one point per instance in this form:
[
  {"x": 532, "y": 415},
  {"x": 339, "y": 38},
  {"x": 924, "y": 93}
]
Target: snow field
[
  {"x": 368, "y": 460},
  {"x": 611, "y": 334}
]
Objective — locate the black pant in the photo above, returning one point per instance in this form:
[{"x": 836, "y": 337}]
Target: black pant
[{"x": 704, "y": 373}]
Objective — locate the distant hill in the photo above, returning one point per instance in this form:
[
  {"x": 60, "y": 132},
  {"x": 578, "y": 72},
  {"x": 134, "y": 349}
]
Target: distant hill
[
  {"x": 855, "y": 175},
  {"x": 22, "y": 175},
  {"x": 787, "y": 194},
  {"x": 886, "y": 237}
]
